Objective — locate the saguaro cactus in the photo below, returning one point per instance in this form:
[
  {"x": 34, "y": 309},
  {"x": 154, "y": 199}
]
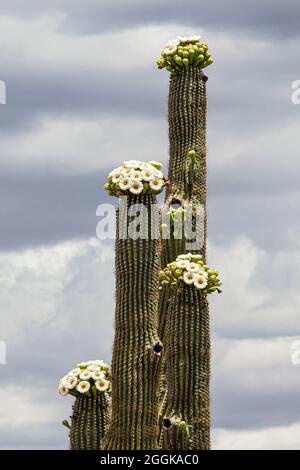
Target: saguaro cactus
[
  {"x": 90, "y": 384},
  {"x": 155, "y": 406},
  {"x": 184, "y": 317},
  {"x": 136, "y": 353}
]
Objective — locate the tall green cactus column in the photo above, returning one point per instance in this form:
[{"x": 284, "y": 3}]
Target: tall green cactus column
[
  {"x": 184, "y": 317},
  {"x": 136, "y": 352}
]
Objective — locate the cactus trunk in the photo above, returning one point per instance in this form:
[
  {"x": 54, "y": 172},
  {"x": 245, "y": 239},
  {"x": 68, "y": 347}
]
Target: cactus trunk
[
  {"x": 89, "y": 421},
  {"x": 136, "y": 359},
  {"x": 184, "y": 318}
]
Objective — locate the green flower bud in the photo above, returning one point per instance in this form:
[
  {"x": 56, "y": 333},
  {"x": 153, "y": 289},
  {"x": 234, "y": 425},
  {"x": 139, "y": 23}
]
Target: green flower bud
[
  {"x": 199, "y": 59},
  {"x": 191, "y": 56},
  {"x": 186, "y": 63},
  {"x": 183, "y": 425},
  {"x": 161, "y": 63},
  {"x": 178, "y": 272},
  {"x": 106, "y": 186},
  {"x": 192, "y": 155},
  {"x": 185, "y": 54},
  {"x": 66, "y": 423},
  {"x": 178, "y": 60}
]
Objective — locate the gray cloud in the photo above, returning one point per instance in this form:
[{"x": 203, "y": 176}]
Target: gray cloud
[
  {"x": 89, "y": 16},
  {"x": 56, "y": 284}
]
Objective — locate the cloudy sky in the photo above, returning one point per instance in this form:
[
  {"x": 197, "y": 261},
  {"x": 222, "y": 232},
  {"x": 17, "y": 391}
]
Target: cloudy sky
[{"x": 83, "y": 94}]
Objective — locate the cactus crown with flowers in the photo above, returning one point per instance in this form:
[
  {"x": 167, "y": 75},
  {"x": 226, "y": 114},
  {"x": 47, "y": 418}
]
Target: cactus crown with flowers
[
  {"x": 136, "y": 177},
  {"x": 190, "y": 270},
  {"x": 86, "y": 379},
  {"x": 184, "y": 52}
]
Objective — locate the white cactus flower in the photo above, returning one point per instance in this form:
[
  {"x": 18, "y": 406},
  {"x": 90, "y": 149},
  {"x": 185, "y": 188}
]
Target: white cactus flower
[
  {"x": 125, "y": 183},
  {"x": 126, "y": 171},
  {"x": 156, "y": 184},
  {"x": 136, "y": 187},
  {"x": 116, "y": 177},
  {"x": 136, "y": 175},
  {"x": 97, "y": 375},
  {"x": 202, "y": 273},
  {"x": 158, "y": 174},
  {"x": 116, "y": 170},
  {"x": 83, "y": 387},
  {"x": 102, "y": 385},
  {"x": 195, "y": 38},
  {"x": 193, "y": 267},
  {"x": 170, "y": 50},
  {"x": 186, "y": 257},
  {"x": 200, "y": 282},
  {"x": 189, "y": 278},
  {"x": 70, "y": 382},
  {"x": 63, "y": 390},
  {"x": 92, "y": 367},
  {"x": 147, "y": 174},
  {"x": 85, "y": 375},
  {"x": 75, "y": 371},
  {"x": 183, "y": 39},
  {"x": 181, "y": 263},
  {"x": 133, "y": 164}
]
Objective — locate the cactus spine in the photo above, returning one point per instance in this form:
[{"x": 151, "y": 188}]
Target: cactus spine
[
  {"x": 184, "y": 318},
  {"x": 136, "y": 360},
  {"x": 89, "y": 421}
]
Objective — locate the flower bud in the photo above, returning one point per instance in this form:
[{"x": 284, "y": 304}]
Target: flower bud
[
  {"x": 192, "y": 155},
  {"x": 186, "y": 63}
]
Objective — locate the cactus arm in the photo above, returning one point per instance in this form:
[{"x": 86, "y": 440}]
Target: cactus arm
[
  {"x": 136, "y": 359},
  {"x": 184, "y": 319},
  {"x": 89, "y": 421}
]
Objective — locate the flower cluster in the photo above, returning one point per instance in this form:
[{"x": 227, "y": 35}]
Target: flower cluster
[
  {"x": 190, "y": 270},
  {"x": 184, "y": 52},
  {"x": 88, "y": 377},
  {"x": 135, "y": 177}
]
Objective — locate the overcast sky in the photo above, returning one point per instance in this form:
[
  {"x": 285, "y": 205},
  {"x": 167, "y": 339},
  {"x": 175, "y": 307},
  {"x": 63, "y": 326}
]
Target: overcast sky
[{"x": 83, "y": 94}]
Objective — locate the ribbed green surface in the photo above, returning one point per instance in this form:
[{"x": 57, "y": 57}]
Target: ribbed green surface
[
  {"x": 187, "y": 130},
  {"x": 89, "y": 422},
  {"x": 187, "y": 364},
  {"x": 135, "y": 366},
  {"x": 184, "y": 321}
]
